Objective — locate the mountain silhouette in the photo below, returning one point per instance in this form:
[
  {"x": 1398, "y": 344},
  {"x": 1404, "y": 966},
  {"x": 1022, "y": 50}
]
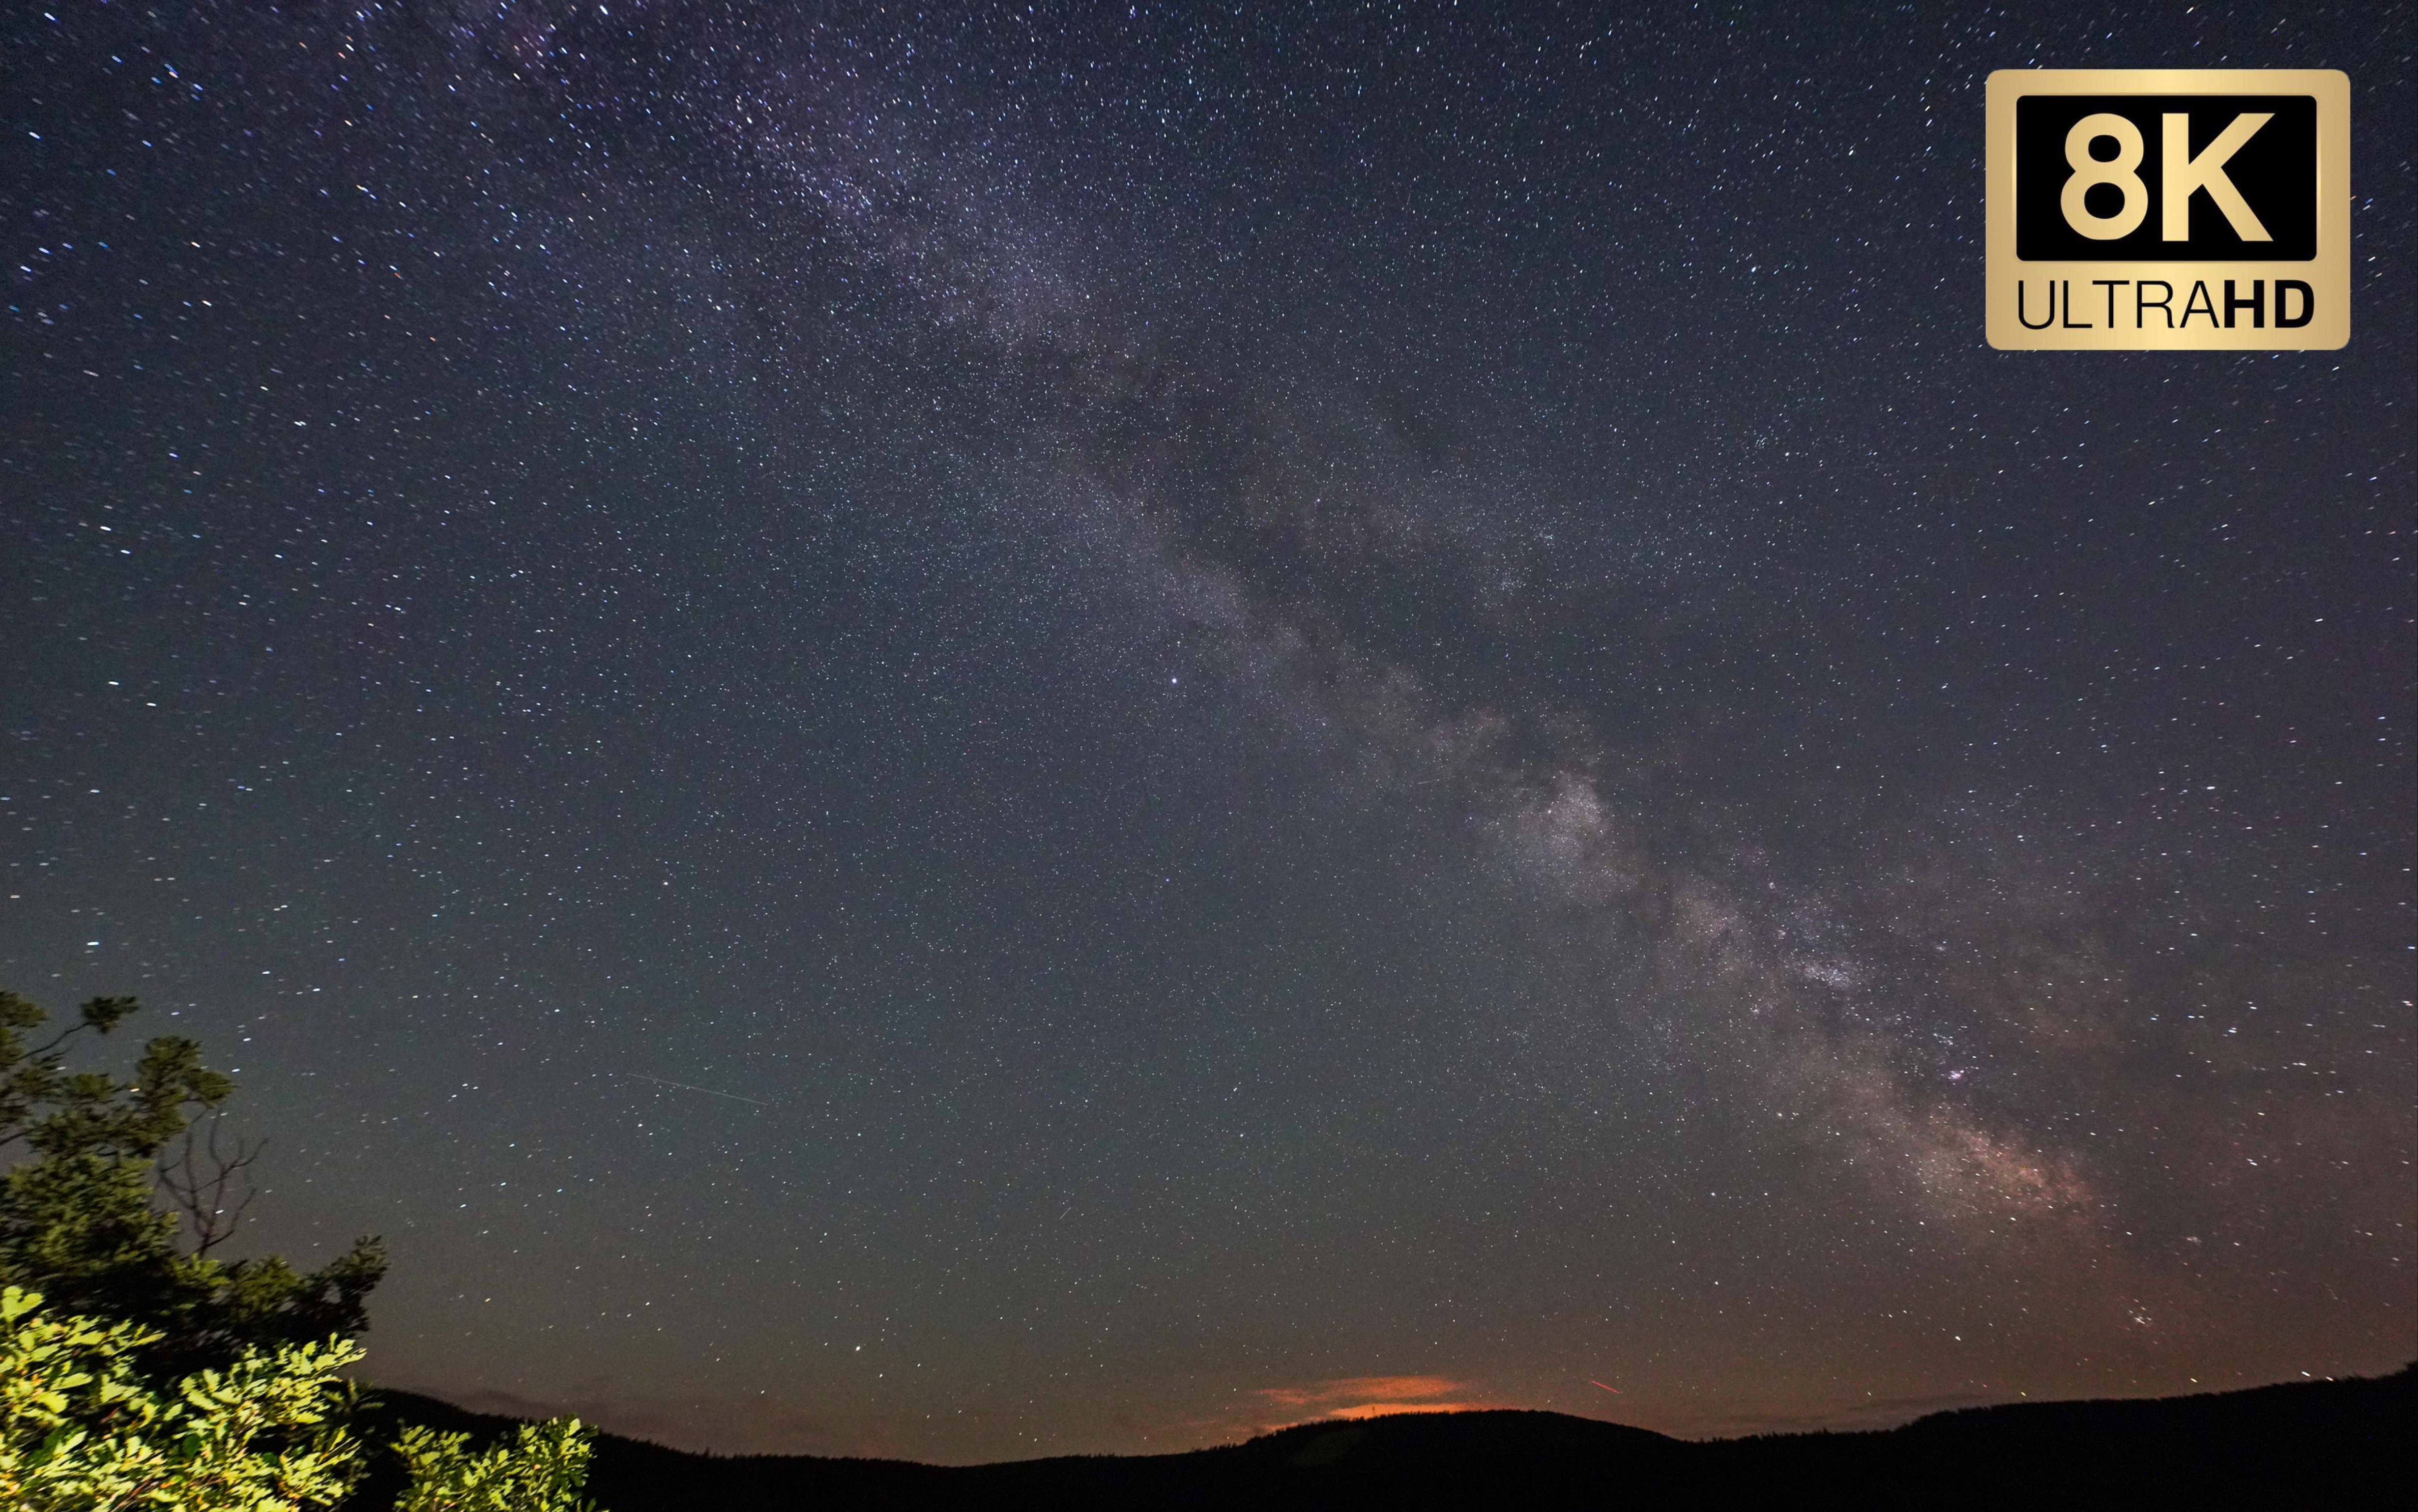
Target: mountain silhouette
[{"x": 2319, "y": 1444}]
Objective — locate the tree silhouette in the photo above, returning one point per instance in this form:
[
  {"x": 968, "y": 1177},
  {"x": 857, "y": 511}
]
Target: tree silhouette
[
  {"x": 78, "y": 1219},
  {"x": 210, "y": 1185},
  {"x": 138, "y": 1369}
]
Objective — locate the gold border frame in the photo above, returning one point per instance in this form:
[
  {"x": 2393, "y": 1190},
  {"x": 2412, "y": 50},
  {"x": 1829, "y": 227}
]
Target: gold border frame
[{"x": 2328, "y": 274}]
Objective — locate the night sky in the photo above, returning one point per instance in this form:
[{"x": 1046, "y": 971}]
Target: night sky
[{"x": 1060, "y": 730}]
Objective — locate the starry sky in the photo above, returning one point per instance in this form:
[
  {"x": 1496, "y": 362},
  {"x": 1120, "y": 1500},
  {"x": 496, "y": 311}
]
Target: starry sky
[{"x": 1055, "y": 730}]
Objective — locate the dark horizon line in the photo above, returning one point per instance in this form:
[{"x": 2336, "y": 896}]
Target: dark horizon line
[{"x": 2409, "y": 1370}]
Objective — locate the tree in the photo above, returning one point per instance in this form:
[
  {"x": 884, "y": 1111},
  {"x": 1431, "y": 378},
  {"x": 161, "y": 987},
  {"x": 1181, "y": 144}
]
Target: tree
[
  {"x": 139, "y": 1371},
  {"x": 541, "y": 1470},
  {"x": 77, "y": 1220},
  {"x": 82, "y": 1429}
]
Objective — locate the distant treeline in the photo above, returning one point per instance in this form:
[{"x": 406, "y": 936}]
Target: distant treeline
[{"x": 2324, "y": 1444}]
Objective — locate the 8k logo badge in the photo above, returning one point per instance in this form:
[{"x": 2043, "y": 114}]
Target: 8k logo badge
[{"x": 2166, "y": 208}]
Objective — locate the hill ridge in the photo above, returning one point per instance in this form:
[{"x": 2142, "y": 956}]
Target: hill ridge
[{"x": 2278, "y": 1443}]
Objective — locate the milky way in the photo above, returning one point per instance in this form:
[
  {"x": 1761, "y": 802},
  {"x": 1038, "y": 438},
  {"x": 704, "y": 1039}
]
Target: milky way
[{"x": 1063, "y": 731}]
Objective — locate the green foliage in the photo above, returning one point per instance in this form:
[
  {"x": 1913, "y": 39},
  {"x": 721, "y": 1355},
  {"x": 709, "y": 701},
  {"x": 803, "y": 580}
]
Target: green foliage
[
  {"x": 541, "y": 1470},
  {"x": 83, "y": 1430},
  {"x": 77, "y": 1220},
  {"x": 88, "y": 1110},
  {"x": 136, "y": 1371}
]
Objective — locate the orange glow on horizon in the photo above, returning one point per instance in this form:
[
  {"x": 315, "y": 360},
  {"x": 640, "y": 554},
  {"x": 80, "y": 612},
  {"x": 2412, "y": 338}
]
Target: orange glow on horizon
[
  {"x": 1360, "y": 1389},
  {"x": 1385, "y": 1408},
  {"x": 1355, "y": 1397}
]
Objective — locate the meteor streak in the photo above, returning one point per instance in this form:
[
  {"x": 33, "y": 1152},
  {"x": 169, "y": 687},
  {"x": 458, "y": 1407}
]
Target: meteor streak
[{"x": 686, "y": 1086}]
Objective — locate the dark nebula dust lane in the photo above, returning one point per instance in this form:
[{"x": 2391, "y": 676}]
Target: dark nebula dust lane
[{"x": 1053, "y": 731}]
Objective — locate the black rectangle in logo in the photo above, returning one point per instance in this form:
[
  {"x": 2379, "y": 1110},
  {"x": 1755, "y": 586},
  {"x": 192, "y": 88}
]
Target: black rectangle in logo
[{"x": 2166, "y": 177}]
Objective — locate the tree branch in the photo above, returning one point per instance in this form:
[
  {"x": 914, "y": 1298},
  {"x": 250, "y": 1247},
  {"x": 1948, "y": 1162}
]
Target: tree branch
[{"x": 208, "y": 1182}]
